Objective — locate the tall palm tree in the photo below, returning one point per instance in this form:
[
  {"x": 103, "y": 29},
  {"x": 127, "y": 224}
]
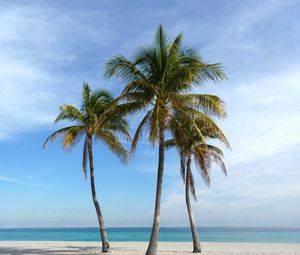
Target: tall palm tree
[
  {"x": 156, "y": 82},
  {"x": 93, "y": 121},
  {"x": 185, "y": 139}
]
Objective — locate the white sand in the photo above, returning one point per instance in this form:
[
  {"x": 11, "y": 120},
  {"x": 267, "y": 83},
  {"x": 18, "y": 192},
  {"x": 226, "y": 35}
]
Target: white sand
[{"x": 134, "y": 248}]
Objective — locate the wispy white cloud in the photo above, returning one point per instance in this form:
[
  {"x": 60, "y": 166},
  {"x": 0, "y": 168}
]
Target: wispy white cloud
[
  {"x": 22, "y": 182},
  {"x": 26, "y": 86},
  {"x": 247, "y": 19},
  {"x": 39, "y": 61},
  {"x": 264, "y": 116},
  {"x": 258, "y": 193},
  {"x": 264, "y": 130}
]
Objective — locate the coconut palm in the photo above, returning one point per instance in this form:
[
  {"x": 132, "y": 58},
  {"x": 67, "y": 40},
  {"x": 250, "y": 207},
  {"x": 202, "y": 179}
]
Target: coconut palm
[
  {"x": 185, "y": 139},
  {"x": 156, "y": 82},
  {"x": 93, "y": 121}
]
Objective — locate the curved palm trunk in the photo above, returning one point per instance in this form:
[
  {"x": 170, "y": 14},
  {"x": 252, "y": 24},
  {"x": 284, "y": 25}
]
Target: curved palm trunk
[
  {"x": 196, "y": 242},
  {"x": 152, "y": 247},
  {"x": 105, "y": 244}
]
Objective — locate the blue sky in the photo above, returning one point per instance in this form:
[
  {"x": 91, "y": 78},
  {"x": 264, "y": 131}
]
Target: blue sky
[{"x": 48, "y": 48}]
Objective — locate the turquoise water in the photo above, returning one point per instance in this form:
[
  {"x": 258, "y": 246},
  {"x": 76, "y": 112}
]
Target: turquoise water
[{"x": 257, "y": 235}]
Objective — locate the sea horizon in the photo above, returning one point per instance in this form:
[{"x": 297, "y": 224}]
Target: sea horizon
[
  {"x": 167, "y": 234},
  {"x": 58, "y": 227}
]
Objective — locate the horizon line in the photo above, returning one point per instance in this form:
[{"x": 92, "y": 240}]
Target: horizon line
[{"x": 3, "y": 228}]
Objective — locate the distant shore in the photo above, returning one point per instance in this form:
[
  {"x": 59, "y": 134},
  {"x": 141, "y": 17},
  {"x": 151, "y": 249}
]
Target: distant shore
[{"x": 139, "y": 248}]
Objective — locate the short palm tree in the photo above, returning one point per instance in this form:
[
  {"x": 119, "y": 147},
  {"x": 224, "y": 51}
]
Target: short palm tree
[
  {"x": 94, "y": 120},
  {"x": 157, "y": 81},
  {"x": 185, "y": 139}
]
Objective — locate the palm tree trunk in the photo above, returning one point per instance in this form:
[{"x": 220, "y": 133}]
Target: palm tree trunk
[
  {"x": 105, "y": 244},
  {"x": 196, "y": 242},
  {"x": 152, "y": 247}
]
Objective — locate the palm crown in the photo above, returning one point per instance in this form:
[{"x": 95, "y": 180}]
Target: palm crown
[
  {"x": 157, "y": 80},
  {"x": 185, "y": 140},
  {"x": 92, "y": 120}
]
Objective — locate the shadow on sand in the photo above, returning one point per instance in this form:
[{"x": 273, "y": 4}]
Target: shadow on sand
[{"x": 54, "y": 251}]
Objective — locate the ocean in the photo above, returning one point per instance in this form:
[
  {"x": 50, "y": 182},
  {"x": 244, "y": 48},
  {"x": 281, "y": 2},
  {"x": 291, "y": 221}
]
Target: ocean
[{"x": 247, "y": 235}]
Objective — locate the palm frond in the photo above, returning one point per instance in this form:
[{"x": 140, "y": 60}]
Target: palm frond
[
  {"x": 209, "y": 104},
  {"x": 145, "y": 88},
  {"x": 203, "y": 164},
  {"x": 215, "y": 150},
  {"x": 129, "y": 108},
  {"x": 113, "y": 144},
  {"x": 72, "y": 137},
  {"x": 84, "y": 156},
  {"x": 118, "y": 125},
  {"x": 121, "y": 67},
  {"x": 170, "y": 144},
  {"x": 161, "y": 45},
  {"x": 217, "y": 156},
  {"x": 54, "y": 135},
  {"x": 192, "y": 186},
  {"x": 183, "y": 170},
  {"x": 86, "y": 93},
  {"x": 154, "y": 123},
  {"x": 209, "y": 72},
  {"x": 69, "y": 112},
  {"x": 183, "y": 113},
  {"x": 207, "y": 125},
  {"x": 139, "y": 131}
]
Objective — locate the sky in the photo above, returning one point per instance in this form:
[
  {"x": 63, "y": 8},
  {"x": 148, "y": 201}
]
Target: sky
[{"x": 49, "y": 48}]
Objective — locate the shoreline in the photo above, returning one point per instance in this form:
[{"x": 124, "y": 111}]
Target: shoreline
[{"x": 139, "y": 248}]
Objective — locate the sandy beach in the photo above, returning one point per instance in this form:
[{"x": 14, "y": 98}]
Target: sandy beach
[{"x": 138, "y": 248}]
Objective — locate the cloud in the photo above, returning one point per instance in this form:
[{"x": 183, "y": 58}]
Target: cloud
[
  {"x": 22, "y": 182},
  {"x": 42, "y": 63},
  {"x": 26, "y": 86},
  {"x": 259, "y": 193},
  {"x": 262, "y": 185},
  {"x": 264, "y": 116},
  {"x": 249, "y": 16}
]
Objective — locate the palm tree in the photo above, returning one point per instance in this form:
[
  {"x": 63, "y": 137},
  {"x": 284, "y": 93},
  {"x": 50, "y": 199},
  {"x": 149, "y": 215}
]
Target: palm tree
[
  {"x": 156, "y": 82},
  {"x": 93, "y": 121},
  {"x": 185, "y": 139}
]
